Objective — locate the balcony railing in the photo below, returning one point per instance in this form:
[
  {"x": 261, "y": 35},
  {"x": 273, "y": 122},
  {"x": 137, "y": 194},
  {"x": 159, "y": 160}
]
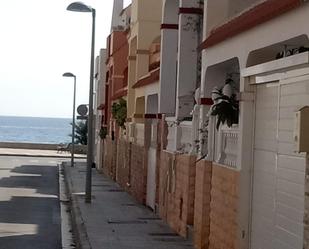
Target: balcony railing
[
  {"x": 180, "y": 136},
  {"x": 228, "y": 146},
  {"x": 171, "y": 135},
  {"x": 186, "y": 140}
]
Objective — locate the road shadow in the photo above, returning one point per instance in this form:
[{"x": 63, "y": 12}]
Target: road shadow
[
  {"x": 30, "y": 219},
  {"x": 44, "y": 179}
]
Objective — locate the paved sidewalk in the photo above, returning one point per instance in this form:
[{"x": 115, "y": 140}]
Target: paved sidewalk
[
  {"x": 114, "y": 220},
  {"x": 37, "y": 153}
]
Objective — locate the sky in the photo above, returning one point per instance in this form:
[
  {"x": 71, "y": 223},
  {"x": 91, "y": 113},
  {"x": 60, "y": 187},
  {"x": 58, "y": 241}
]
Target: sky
[{"x": 39, "y": 41}]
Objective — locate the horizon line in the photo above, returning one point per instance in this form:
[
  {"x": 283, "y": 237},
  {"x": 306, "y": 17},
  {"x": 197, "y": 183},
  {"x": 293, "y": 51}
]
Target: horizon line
[{"x": 25, "y": 116}]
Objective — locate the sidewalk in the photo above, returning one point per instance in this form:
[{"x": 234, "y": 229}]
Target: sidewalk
[
  {"x": 37, "y": 153},
  {"x": 114, "y": 220}
]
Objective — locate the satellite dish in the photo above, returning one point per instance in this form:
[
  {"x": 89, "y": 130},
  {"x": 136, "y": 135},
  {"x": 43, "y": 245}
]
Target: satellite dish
[{"x": 82, "y": 110}]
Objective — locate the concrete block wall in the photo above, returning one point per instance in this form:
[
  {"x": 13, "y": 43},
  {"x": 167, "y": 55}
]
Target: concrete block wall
[
  {"x": 177, "y": 188},
  {"x": 224, "y": 208},
  {"x": 123, "y": 163},
  {"x": 204, "y": 195},
  {"x": 138, "y": 173},
  {"x": 114, "y": 160},
  {"x": 110, "y": 158},
  {"x": 166, "y": 159},
  {"x": 202, "y": 204},
  {"x": 160, "y": 131},
  {"x": 306, "y": 215},
  {"x": 185, "y": 190},
  {"x": 106, "y": 157}
]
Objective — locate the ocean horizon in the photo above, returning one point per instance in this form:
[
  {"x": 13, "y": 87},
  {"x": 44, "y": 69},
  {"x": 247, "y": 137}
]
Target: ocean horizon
[{"x": 46, "y": 130}]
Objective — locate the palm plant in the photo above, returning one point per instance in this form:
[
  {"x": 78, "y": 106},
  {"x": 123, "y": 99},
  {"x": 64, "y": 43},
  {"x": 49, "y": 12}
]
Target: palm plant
[
  {"x": 81, "y": 132},
  {"x": 119, "y": 111},
  {"x": 226, "y": 106}
]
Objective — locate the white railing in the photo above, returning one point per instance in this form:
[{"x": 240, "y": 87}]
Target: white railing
[
  {"x": 171, "y": 135},
  {"x": 186, "y": 140},
  {"x": 228, "y": 146}
]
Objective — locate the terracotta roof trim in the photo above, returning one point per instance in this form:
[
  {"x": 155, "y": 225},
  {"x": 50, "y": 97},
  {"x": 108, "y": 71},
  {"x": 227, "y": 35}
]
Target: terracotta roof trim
[
  {"x": 206, "y": 101},
  {"x": 169, "y": 26},
  {"x": 150, "y": 78},
  {"x": 153, "y": 116},
  {"x": 197, "y": 11},
  {"x": 249, "y": 19},
  {"x": 120, "y": 93}
]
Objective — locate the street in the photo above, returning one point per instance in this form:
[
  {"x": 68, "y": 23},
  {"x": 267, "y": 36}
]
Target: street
[{"x": 29, "y": 204}]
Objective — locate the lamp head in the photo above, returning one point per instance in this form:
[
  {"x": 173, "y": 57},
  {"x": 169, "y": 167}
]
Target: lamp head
[
  {"x": 79, "y": 7},
  {"x": 68, "y": 74}
]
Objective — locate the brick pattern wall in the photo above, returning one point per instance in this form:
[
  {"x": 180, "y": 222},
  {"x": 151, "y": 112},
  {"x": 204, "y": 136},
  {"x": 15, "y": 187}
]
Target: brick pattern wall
[
  {"x": 114, "y": 160},
  {"x": 159, "y": 150},
  {"x": 123, "y": 163},
  {"x": 202, "y": 204},
  {"x": 166, "y": 160},
  {"x": 306, "y": 214},
  {"x": 138, "y": 173},
  {"x": 110, "y": 158},
  {"x": 107, "y": 157},
  {"x": 224, "y": 208},
  {"x": 177, "y": 188}
]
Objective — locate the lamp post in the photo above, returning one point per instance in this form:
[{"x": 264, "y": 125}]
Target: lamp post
[
  {"x": 81, "y": 7},
  {"x": 73, "y": 117}
]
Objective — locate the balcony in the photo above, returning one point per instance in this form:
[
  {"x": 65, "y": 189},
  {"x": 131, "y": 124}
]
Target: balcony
[
  {"x": 154, "y": 57},
  {"x": 227, "y": 146},
  {"x": 186, "y": 140},
  {"x": 171, "y": 134},
  {"x": 180, "y": 136}
]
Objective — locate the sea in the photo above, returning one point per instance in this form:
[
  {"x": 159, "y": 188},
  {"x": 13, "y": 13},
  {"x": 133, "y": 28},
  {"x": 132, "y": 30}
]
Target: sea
[{"x": 35, "y": 130}]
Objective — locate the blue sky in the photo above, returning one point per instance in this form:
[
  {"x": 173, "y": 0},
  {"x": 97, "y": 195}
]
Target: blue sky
[{"x": 40, "y": 41}]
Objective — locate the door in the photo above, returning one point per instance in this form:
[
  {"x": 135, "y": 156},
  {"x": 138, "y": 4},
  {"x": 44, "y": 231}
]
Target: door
[{"x": 278, "y": 188}]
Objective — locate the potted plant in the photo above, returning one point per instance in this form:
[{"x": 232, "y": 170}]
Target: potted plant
[{"x": 226, "y": 105}]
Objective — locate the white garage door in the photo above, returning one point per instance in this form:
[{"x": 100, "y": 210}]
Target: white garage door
[{"x": 278, "y": 185}]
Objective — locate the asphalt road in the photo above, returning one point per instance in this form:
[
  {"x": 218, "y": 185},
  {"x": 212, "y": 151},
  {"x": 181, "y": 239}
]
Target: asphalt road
[{"x": 29, "y": 204}]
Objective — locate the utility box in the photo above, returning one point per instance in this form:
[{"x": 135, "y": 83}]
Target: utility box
[{"x": 301, "y": 130}]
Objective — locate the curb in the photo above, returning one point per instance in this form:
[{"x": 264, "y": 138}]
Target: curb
[
  {"x": 78, "y": 224},
  {"x": 67, "y": 238}
]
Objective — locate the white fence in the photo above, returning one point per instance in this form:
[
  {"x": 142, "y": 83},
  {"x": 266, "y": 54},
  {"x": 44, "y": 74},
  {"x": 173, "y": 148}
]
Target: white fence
[{"x": 227, "y": 149}]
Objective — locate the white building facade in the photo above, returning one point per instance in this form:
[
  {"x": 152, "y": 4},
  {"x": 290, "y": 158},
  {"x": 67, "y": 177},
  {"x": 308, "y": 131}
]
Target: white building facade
[{"x": 262, "y": 46}]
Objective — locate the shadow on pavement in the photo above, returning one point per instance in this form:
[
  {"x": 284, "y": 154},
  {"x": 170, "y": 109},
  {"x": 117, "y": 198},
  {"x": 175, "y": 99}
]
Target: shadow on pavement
[{"x": 30, "y": 218}]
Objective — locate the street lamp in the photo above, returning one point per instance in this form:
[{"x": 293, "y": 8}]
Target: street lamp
[
  {"x": 73, "y": 121},
  {"x": 81, "y": 7}
]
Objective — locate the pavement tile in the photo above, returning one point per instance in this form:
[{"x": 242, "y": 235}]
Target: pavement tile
[{"x": 114, "y": 220}]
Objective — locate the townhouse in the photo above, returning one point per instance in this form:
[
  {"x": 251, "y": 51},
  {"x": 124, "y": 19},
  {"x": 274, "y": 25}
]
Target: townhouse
[
  {"x": 216, "y": 133},
  {"x": 258, "y": 168}
]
